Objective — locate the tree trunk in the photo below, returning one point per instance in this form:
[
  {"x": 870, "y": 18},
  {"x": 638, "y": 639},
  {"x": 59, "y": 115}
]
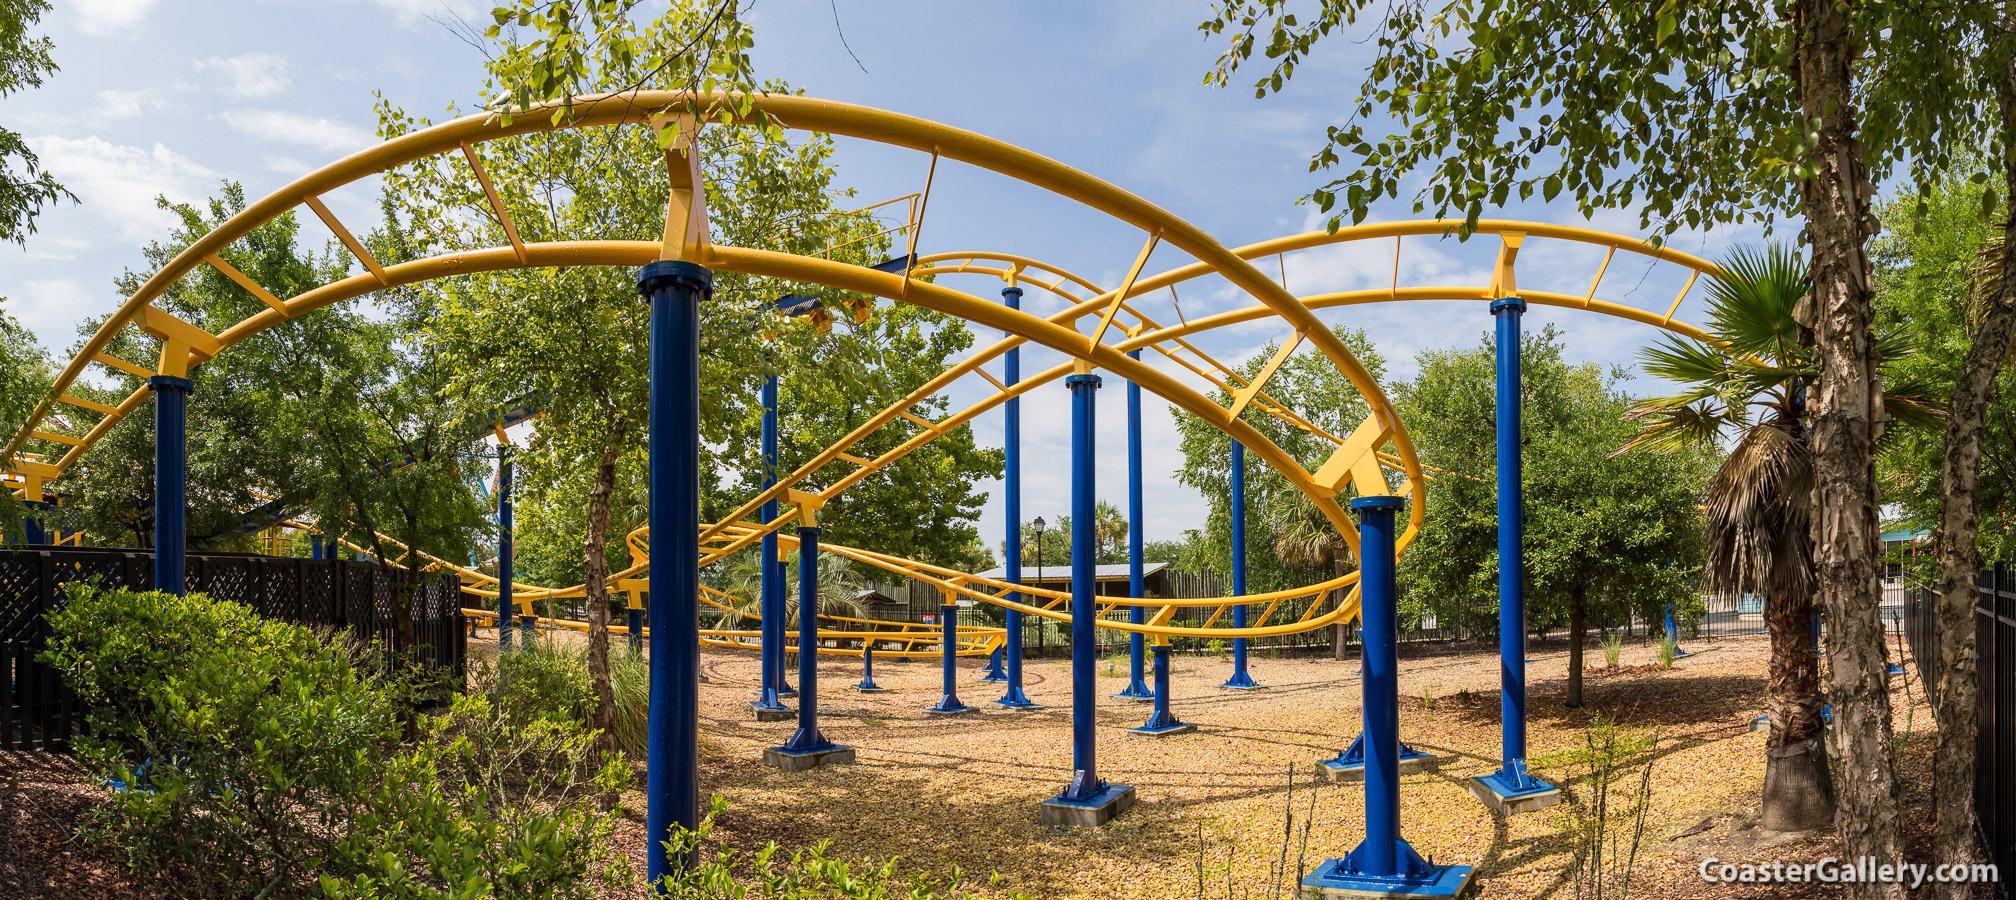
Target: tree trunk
[
  {"x": 1578, "y": 628},
  {"x": 1847, "y": 418},
  {"x": 1342, "y": 630},
  {"x": 595, "y": 588},
  {"x": 1798, "y": 789},
  {"x": 1959, "y": 553}
]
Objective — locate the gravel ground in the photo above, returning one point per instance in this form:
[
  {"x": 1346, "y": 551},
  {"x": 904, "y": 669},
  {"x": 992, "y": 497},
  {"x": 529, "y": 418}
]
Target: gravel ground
[
  {"x": 946, "y": 793},
  {"x": 964, "y": 792}
]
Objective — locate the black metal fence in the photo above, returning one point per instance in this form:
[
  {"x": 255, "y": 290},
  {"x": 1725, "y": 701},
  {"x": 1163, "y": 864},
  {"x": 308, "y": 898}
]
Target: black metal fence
[
  {"x": 1995, "y": 709},
  {"x": 40, "y": 712}
]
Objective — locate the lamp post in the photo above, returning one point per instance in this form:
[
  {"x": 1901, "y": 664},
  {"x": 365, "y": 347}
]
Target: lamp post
[{"x": 1038, "y": 526}]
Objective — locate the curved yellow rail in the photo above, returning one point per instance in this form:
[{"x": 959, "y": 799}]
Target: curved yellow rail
[{"x": 1360, "y": 459}]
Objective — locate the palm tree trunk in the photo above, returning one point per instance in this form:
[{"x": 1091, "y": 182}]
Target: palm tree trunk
[
  {"x": 595, "y": 590},
  {"x": 1847, "y": 417},
  {"x": 1798, "y": 789},
  {"x": 1578, "y": 629},
  {"x": 1959, "y": 553}
]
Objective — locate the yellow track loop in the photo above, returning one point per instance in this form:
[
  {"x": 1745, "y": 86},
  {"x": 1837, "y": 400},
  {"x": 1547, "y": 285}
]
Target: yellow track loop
[{"x": 1360, "y": 460}]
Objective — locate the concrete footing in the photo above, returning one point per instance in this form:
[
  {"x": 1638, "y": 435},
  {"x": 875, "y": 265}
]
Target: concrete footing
[
  {"x": 957, "y": 711},
  {"x": 773, "y": 715},
  {"x": 799, "y": 761},
  {"x": 1491, "y": 791},
  {"x": 1330, "y": 881},
  {"x": 871, "y": 690},
  {"x": 1093, "y": 812},
  {"x": 1164, "y": 731},
  {"x": 1341, "y": 773}
]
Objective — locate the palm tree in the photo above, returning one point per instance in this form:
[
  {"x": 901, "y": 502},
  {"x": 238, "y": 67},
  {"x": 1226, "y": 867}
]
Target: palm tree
[
  {"x": 1750, "y": 381},
  {"x": 1302, "y": 534}
]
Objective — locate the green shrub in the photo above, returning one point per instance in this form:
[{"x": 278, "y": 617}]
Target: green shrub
[
  {"x": 1613, "y": 649},
  {"x": 723, "y": 872},
  {"x": 247, "y": 738},
  {"x": 259, "y": 757},
  {"x": 1669, "y": 650},
  {"x": 545, "y": 679}
]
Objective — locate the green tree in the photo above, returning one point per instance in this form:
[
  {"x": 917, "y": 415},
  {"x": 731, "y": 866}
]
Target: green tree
[
  {"x": 1310, "y": 386},
  {"x": 24, "y": 60},
  {"x": 1753, "y": 382},
  {"x": 1109, "y": 540},
  {"x": 1699, "y": 114},
  {"x": 25, "y": 374}
]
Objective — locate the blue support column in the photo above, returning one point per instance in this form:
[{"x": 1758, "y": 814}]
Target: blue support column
[
  {"x": 636, "y": 624},
  {"x": 808, "y": 747},
  {"x": 1239, "y": 680},
  {"x": 772, "y": 591},
  {"x": 314, "y": 546},
  {"x": 505, "y": 549},
  {"x": 675, "y": 289},
  {"x": 1673, "y": 633},
  {"x": 1137, "y": 615},
  {"x": 1511, "y": 789},
  {"x": 992, "y": 671},
  {"x": 1011, "y": 374},
  {"x": 171, "y": 482},
  {"x": 867, "y": 685},
  {"x": 1088, "y": 801},
  {"x": 949, "y": 704},
  {"x": 1162, "y": 721},
  {"x": 32, "y": 532},
  {"x": 1384, "y": 864}
]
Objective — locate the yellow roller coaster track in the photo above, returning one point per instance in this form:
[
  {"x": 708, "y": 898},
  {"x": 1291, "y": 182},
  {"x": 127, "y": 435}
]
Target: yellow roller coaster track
[{"x": 1098, "y": 327}]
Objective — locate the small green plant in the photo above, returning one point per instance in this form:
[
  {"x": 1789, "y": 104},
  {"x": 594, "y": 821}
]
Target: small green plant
[
  {"x": 1669, "y": 650},
  {"x": 1284, "y": 881},
  {"x": 726, "y": 872},
  {"x": 1609, "y": 814},
  {"x": 1428, "y": 695},
  {"x": 1216, "y": 647},
  {"x": 1613, "y": 649}
]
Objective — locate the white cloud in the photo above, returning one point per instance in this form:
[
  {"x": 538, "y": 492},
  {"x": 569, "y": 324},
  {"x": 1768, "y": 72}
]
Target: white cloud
[
  {"x": 294, "y": 128},
  {"x": 108, "y": 17},
  {"x": 127, "y": 104},
  {"x": 250, "y": 75},
  {"x": 423, "y": 13},
  {"x": 119, "y": 183},
  {"x": 50, "y": 306}
]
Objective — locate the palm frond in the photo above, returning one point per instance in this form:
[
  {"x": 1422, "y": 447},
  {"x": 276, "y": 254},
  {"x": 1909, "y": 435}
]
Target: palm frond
[
  {"x": 1685, "y": 361},
  {"x": 1670, "y": 428},
  {"x": 1750, "y": 308},
  {"x": 1759, "y": 514}
]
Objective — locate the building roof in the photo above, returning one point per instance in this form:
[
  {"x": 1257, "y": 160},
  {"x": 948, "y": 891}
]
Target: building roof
[
  {"x": 1910, "y": 534},
  {"x": 1061, "y": 574}
]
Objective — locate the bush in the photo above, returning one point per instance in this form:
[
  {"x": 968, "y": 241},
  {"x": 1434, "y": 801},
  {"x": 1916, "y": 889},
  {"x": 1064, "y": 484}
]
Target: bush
[
  {"x": 544, "y": 679},
  {"x": 723, "y": 872},
  {"x": 255, "y": 756},
  {"x": 1613, "y": 649}
]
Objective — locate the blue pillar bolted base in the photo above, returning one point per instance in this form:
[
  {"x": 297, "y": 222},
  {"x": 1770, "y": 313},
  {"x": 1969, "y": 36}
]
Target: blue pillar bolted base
[
  {"x": 868, "y": 685},
  {"x": 1511, "y": 790},
  {"x": 1350, "y": 765},
  {"x": 1163, "y": 722},
  {"x": 788, "y": 760},
  {"x": 1339, "y": 879},
  {"x": 1240, "y": 681},
  {"x": 950, "y": 704},
  {"x": 993, "y": 671},
  {"x": 1138, "y": 691},
  {"x": 1015, "y": 699},
  {"x": 1091, "y": 811}
]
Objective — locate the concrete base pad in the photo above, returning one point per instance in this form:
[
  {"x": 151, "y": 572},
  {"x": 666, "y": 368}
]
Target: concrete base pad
[
  {"x": 1340, "y": 773},
  {"x": 873, "y": 690},
  {"x": 1092, "y": 813},
  {"x": 795, "y": 761},
  {"x": 1761, "y": 723},
  {"x": 1015, "y": 705},
  {"x": 1487, "y": 790},
  {"x": 1179, "y": 728},
  {"x": 940, "y": 711},
  {"x": 1331, "y": 883},
  {"x": 1242, "y": 687},
  {"x": 773, "y": 715}
]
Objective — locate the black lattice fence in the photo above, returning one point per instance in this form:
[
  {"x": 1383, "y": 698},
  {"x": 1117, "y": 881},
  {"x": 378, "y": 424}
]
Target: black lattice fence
[
  {"x": 408, "y": 613},
  {"x": 1995, "y": 707}
]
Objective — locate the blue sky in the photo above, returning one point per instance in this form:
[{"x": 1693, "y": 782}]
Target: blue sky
[{"x": 160, "y": 97}]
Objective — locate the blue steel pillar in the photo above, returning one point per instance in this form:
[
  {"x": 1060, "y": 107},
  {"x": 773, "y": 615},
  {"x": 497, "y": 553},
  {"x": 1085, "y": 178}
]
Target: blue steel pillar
[
  {"x": 505, "y": 550},
  {"x": 1384, "y": 864},
  {"x": 636, "y": 624},
  {"x": 171, "y": 482},
  {"x": 1239, "y": 680},
  {"x": 771, "y": 647},
  {"x": 1511, "y": 783},
  {"x": 808, "y": 747},
  {"x": 1138, "y": 615},
  {"x": 675, "y": 289},
  {"x": 1011, "y": 473},
  {"x": 1673, "y": 634},
  {"x": 1088, "y": 800},
  {"x": 868, "y": 685},
  {"x": 1162, "y": 721},
  {"x": 950, "y": 704},
  {"x": 992, "y": 671},
  {"x": 32, "y": 532}
]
